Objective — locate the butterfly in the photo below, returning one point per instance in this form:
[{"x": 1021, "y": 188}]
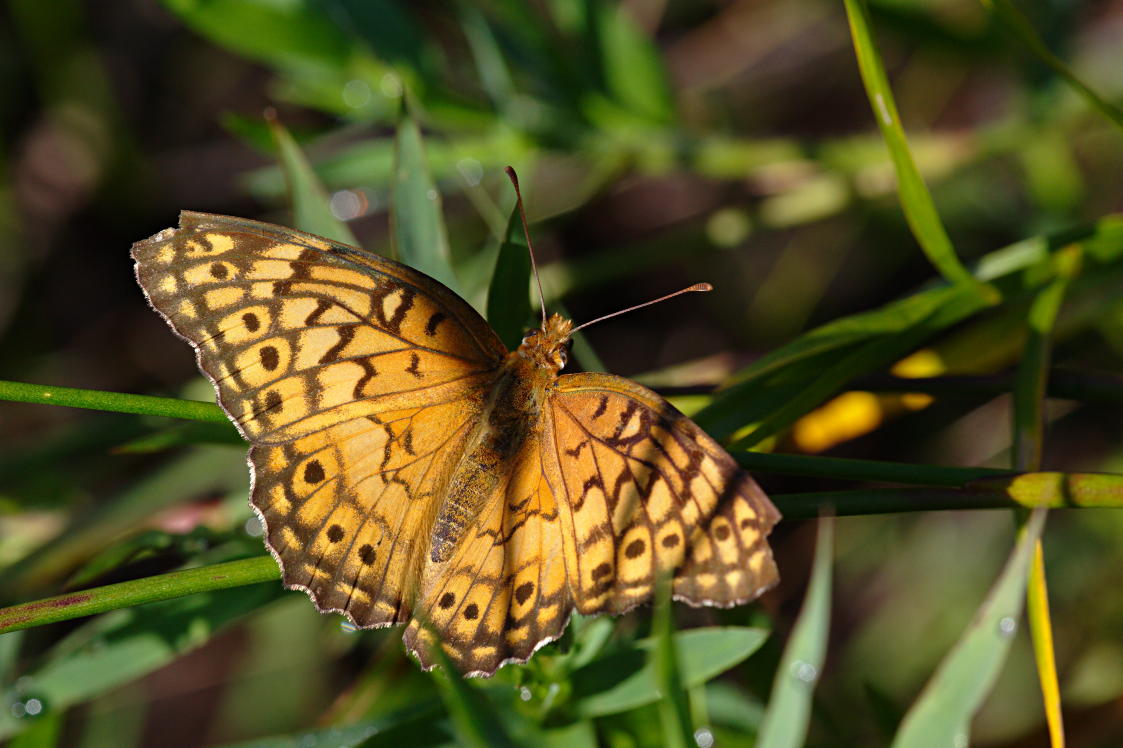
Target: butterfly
[{"x": 408, "y": 468}]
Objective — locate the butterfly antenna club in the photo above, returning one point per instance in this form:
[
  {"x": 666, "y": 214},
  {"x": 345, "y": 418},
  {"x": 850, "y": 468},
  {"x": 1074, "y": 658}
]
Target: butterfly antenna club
[{"x": 526, "y": 232}]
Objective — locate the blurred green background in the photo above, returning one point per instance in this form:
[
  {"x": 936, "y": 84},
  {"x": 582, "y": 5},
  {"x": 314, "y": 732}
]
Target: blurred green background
[{"x": 660, "y": 143}]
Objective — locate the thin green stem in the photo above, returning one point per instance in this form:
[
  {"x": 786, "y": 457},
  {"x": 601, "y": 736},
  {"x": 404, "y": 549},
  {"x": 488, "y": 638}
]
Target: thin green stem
[
  {"x": 137, "y": 592},
  {"x": 863, "y": 470},
  {"x": 117, "y": 402}
]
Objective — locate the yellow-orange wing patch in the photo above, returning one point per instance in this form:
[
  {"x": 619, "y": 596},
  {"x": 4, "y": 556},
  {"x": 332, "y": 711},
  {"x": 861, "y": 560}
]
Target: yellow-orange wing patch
[
  {"x": 356, "y": 379},
  {"x": 503, "y": 593},
  {"x": 647, "y": 492}
]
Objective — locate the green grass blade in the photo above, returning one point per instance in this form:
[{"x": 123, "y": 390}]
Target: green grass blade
[
  {"x": 1028, "y": 447},
  {"x": 508, "y": 297},
  {"x": 631, "y": 64},
  {"x": 138, "y": 592},
  {"x": 124, "y": 645},
  {"x": 1017, "y": 24},
  {"x": 475, "y": 721},
  {"x": 916, "y": 201},
  {"x": 626, "y": 679},
  {"x": 418, "y": 227},
  {"x": 789, "y": 709},
  {"x": 862, "y": 470},
  {"x": 875, "y": 354},
  {"x": 674, "y": 708},
  {"x": 941, "y": 715},
  {"x": 311, "y": 208},
  {"x": 362, "y": 733},
  {"x": 116, "y": 402}
]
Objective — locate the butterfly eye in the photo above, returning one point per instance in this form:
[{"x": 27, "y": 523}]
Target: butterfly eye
[{"x": 561, "y": 357}]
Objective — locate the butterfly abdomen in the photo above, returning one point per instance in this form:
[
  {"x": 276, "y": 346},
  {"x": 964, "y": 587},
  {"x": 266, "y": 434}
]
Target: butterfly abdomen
[{"x": 514, "y": 405}]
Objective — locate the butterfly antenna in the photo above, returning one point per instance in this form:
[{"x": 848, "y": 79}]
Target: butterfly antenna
[
  {"x": 690, "y": 289},
  {"x": 526, "y": 232}
]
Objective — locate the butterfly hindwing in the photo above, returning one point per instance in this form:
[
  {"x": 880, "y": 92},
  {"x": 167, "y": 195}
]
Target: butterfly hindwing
[
  {"x": 646, "y": 492},
  {"x": 503, "y": 593}
]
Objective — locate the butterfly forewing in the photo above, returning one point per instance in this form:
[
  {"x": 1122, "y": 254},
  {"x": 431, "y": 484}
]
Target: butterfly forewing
[{"x": 355, "y": 378}]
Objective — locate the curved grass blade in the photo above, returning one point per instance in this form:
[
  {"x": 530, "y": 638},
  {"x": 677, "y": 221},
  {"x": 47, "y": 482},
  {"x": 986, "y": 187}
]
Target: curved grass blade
[
  {"x": 942, "y": 713},
  {"x": 311, "y": 209},
  {"x": 626, "y": 679},
  {"x": 508, "y": 296},
  {"x": 1019, "y": 26},
  {"x": 364, "y": 733},
  {"x": 631, "y": 65},
  {"x": 789, "y": 709},
  {"x": 916, "y": 201},
  {"x": 418, "y": 229},
  {"x": 1041, "y": 632}
]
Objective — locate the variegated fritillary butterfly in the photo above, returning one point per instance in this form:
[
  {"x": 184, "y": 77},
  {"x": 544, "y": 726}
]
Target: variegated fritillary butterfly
[{"x": 408, "y": 468}]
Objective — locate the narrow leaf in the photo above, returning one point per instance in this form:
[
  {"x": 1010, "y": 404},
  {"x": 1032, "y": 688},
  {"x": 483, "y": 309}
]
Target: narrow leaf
[
  {"x": 115, "y": 402},
  {"x": 941, "y": 715},
  {"x": 920, "y": 211},
  {"x": 420, "y": 239},
  {"x": 508, "y": 297},
  {"x": 789, "y": 709},
  {"x": 311, "y": 207}
]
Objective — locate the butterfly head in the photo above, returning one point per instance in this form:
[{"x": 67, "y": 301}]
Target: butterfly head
[{"x": 546, "y": 347}]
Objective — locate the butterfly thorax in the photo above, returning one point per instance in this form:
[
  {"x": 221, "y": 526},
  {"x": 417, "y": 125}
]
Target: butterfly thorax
[{"x": 510, "y": 414}]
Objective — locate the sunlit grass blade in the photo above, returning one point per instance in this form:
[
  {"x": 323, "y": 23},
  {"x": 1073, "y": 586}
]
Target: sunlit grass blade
[
  {"x": 788, "y": 714},
  {"x": 920, "y": 211},
  {"x": 870, "y": 356},
  {"x": 311, "y": 208},
  {"x": 508, "y": 296},
  {"x": 1041, "y": 632},
  {"x": 116, "y": 402},
  {"x": 138, "y": 592},
  {"x": 418, "y": 228},
  {"x": 1028, "y": 447},
  {"x": 941, "y": 715},
  {"x": 626, "y": 679},
  {"x": 1017, "y": 24},
  {"x": 124, "y": 645},
  {"x": 674, "y": 708}
]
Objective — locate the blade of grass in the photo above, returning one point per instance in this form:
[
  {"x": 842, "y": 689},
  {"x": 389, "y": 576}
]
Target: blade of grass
[
  {"x": 1017, "y": 491},
  {"x": 789, "y": 709},
  {"x": 877, "y": 353},
  {"x": 311, "y": 208},
  {"x": 124, "y": 645},
  {"x": 1028, "y": 447},
  {"x": 475, "y": 721},
  {"x": 942, "y": 713},
  {"x": 674, "y": 709},
  {"x": 631, "y": 64},
  {"x": 863, "y": 470},
  {"x": 116, "y": 402},
  {"x": 508, "y": 296},
  {"x": 137, "y": 592},
  {"x": 626, "y": 679},
  {"x": 418, "y": 229},
  {"x": 916, "y": 201},
  {"x": 1012, "y": 20}
]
